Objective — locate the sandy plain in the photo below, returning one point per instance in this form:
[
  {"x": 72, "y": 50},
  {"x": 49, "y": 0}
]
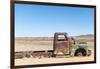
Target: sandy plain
[{"x": 34, "y": 45}]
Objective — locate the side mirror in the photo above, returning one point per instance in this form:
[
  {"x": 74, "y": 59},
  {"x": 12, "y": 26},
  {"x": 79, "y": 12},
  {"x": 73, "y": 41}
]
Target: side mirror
[{"x": 73, "y": 40}]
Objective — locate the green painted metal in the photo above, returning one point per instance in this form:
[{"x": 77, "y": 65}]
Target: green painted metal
[{"x": 80, "y": 45}]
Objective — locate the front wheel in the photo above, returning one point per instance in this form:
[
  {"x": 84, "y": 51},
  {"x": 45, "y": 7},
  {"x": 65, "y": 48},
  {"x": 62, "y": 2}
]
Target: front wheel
[{"x": 80, "y": 52}]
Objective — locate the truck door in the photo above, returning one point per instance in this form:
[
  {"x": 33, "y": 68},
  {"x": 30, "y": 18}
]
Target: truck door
[{"x": 61, "y": 44}]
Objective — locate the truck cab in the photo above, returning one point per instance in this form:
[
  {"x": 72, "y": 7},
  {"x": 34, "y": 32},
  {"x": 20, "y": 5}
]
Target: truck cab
[{"x": 64, "y": 45}]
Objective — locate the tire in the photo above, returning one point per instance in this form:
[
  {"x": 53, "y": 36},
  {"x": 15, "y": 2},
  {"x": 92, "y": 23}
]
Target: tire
[
  {"x": 80, "y": 52},
  {"x": 28, "y": 55}
]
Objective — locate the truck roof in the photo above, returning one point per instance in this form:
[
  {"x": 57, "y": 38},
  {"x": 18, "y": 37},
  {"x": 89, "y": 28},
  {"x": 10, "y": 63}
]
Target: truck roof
[{"x": 60, "y": 33}]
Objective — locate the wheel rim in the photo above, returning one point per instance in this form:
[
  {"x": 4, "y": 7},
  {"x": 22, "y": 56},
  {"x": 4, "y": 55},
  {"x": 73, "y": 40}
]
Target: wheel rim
[{"x": 79, "y": 54}]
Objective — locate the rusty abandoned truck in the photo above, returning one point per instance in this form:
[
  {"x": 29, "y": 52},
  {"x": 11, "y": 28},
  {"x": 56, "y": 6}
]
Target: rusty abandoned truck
[{"x": 62, "y": 46}]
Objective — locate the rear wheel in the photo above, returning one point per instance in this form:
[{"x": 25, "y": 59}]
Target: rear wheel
[
  {"x": 28, "y": 55},
  {"x": 80, "y": 52}
]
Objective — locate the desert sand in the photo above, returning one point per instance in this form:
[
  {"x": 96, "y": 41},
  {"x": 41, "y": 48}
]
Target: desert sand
[
  {"x": 34, "y": 45},
  {"x": 33, "y": 61}
]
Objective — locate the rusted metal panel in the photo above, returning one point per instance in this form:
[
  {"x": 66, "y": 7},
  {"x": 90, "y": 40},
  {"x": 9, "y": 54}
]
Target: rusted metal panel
[{"x": 62, "y": 44}]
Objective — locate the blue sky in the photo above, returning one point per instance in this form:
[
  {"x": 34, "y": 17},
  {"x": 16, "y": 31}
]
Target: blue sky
[{"x": 42, "y": 20}]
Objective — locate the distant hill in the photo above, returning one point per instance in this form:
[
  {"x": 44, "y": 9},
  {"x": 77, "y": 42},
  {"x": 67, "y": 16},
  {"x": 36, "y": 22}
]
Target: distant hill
[
  {"x": 89, "y": 37},
  {"x": 34, "y": 38}
]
